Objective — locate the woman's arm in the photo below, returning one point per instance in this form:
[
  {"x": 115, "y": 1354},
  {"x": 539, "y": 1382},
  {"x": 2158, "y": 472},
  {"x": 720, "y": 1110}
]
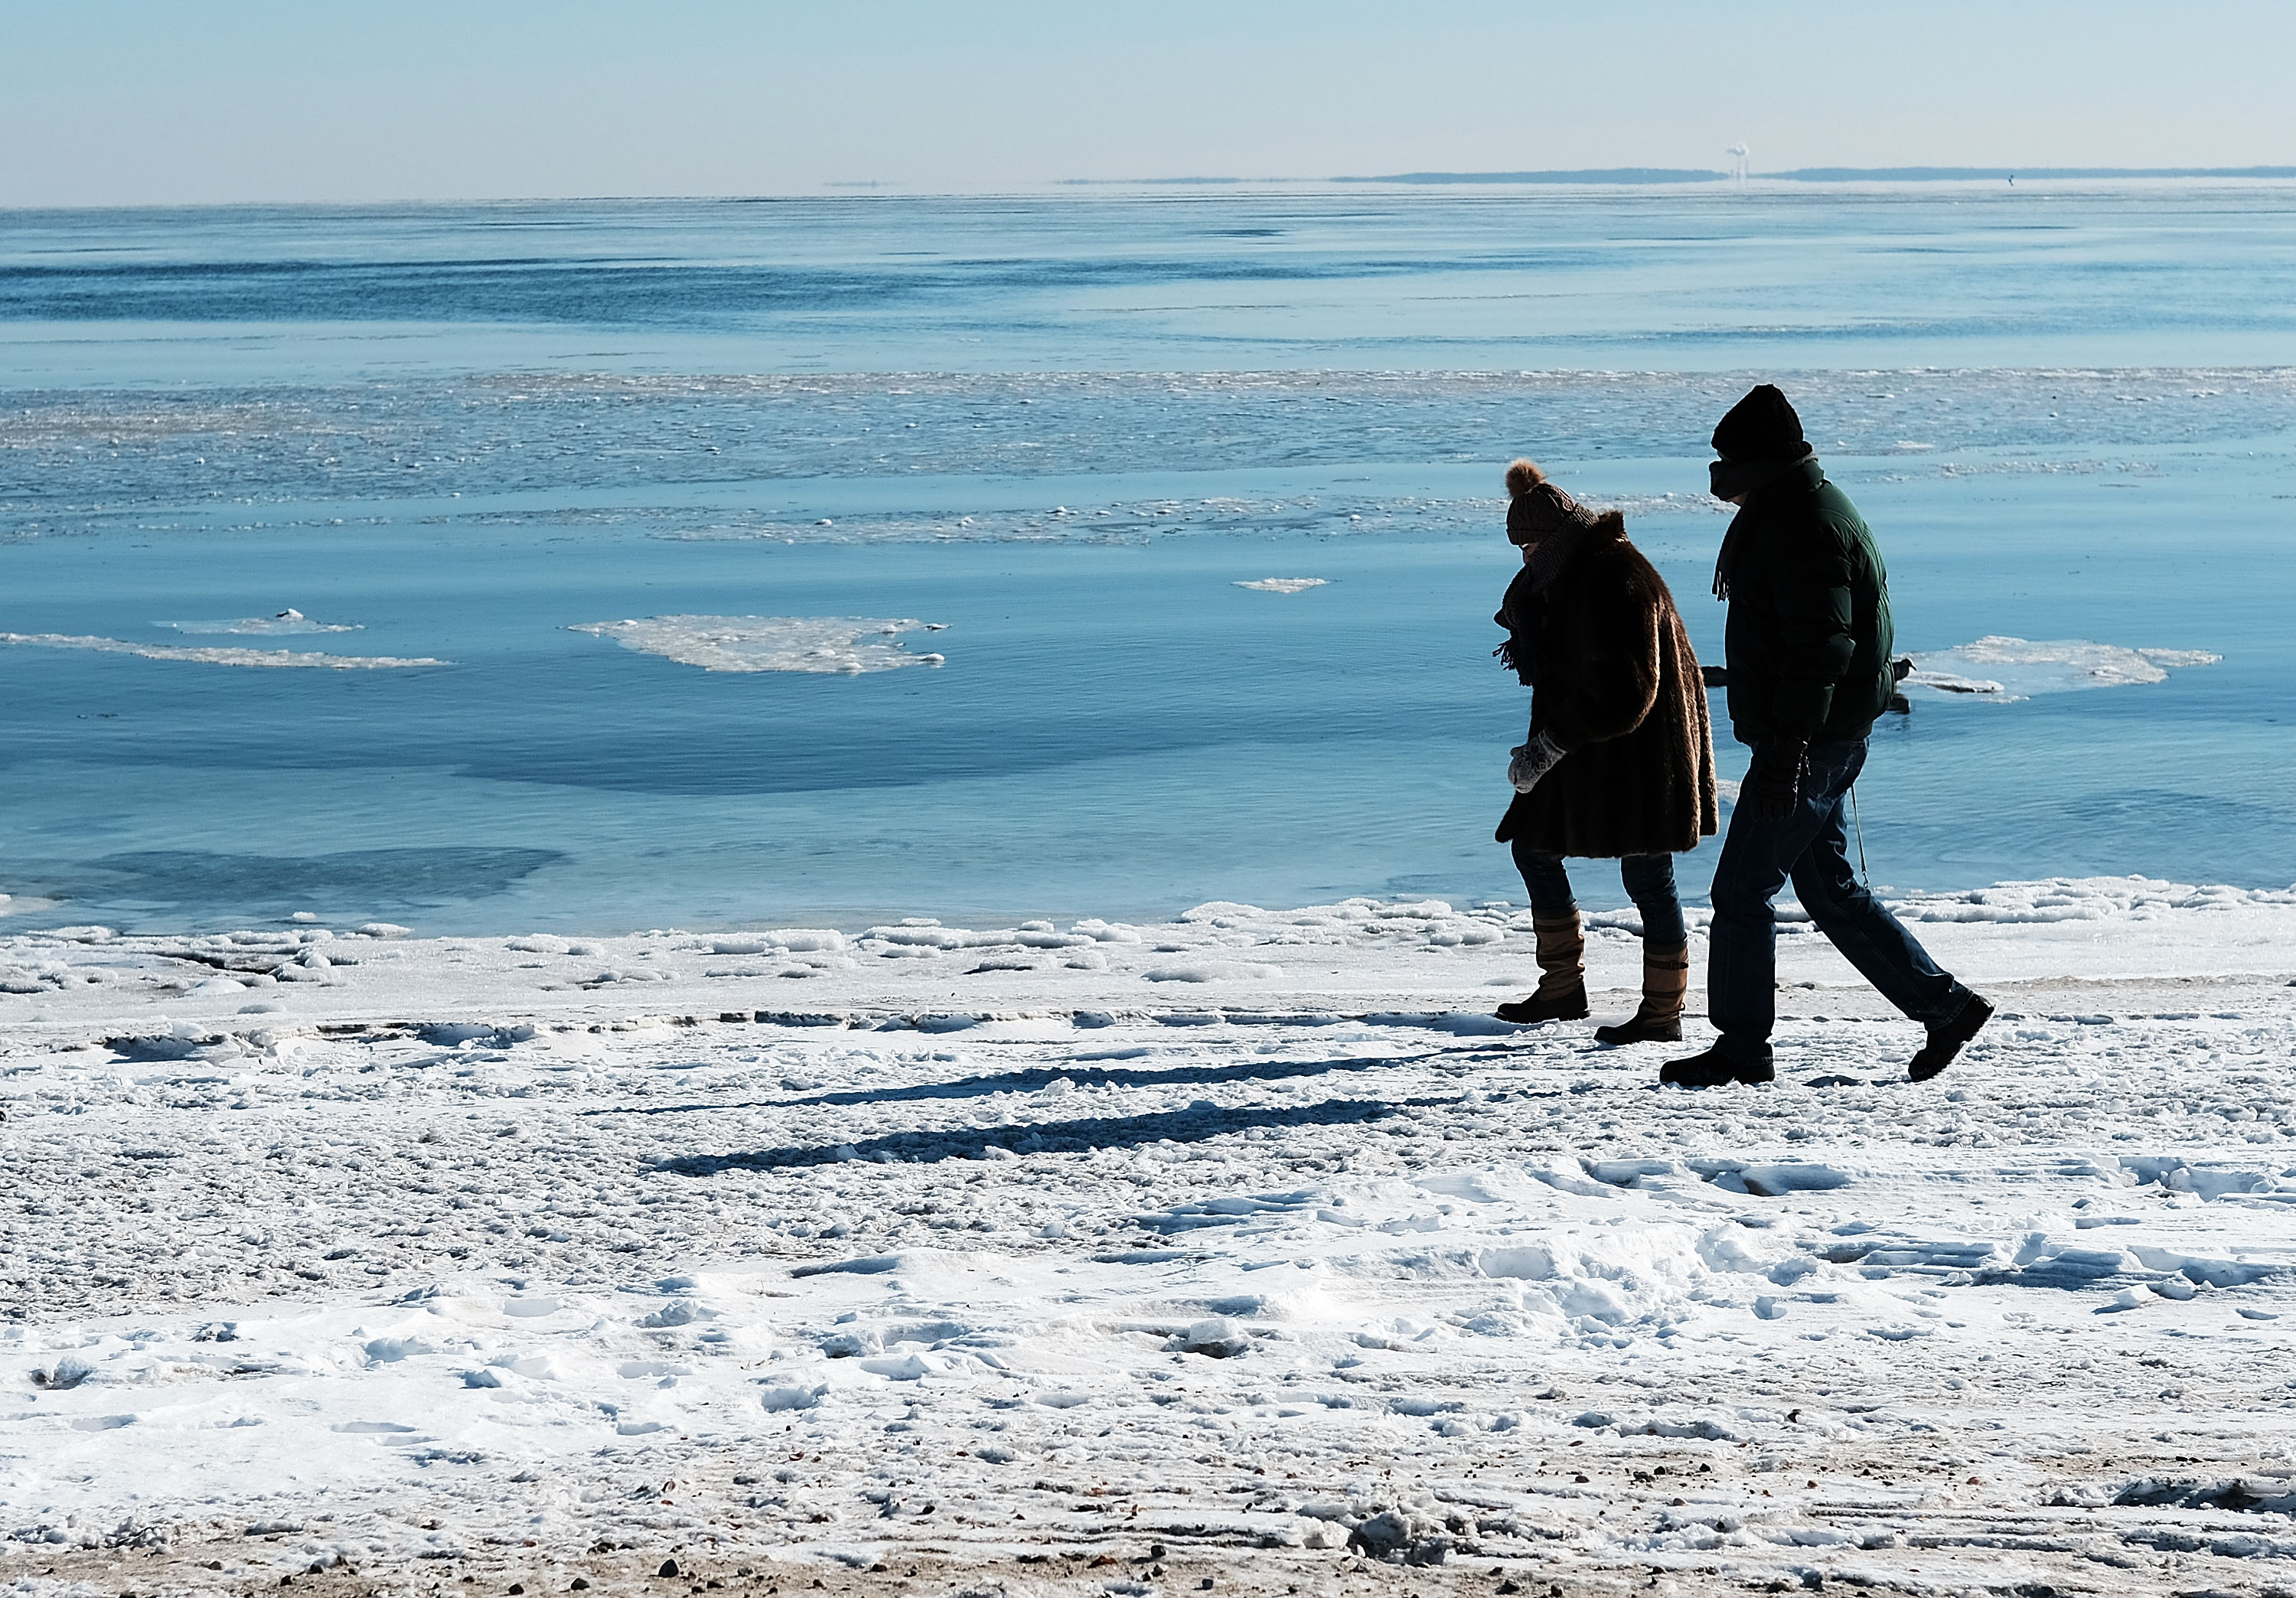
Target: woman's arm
[{"x": 1611, "y": 681}]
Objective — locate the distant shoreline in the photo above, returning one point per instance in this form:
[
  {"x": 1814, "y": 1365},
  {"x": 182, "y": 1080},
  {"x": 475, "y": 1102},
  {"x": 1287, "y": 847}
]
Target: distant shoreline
[
  {"x": 1678, "y": 175},
  {"x": 865, "y": 190}
]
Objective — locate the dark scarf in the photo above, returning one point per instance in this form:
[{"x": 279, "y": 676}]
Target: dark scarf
[
  {"x": 1731, "y": 478},
  {"x": 1523, "y": 613}
]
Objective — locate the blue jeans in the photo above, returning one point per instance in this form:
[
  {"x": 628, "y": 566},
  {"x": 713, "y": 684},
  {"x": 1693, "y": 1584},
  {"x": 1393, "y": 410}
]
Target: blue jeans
[
  {"x": 1809, "y": 846},
  {"x": 1649, "y": 881}
]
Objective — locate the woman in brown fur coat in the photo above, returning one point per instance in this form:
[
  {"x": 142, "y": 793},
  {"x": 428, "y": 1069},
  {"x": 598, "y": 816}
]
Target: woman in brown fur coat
[{"x": 1618, "y": 763}]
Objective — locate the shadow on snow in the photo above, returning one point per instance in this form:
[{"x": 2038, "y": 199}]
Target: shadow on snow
[
  {"x": 1197, "y": 1123},
  {"x": 1036, "y": 1079}
]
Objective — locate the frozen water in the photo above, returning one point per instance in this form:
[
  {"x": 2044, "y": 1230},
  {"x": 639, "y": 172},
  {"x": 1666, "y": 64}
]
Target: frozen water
[
  {"x": 2007, "y": 669},
  {"x": 836, "y": 644},
  {"x": 284, "y": 621},
  {"x": 218, "y": 655},
  {"x": 2066, "y": 411},
  {"x": 1284, "y": 585}
]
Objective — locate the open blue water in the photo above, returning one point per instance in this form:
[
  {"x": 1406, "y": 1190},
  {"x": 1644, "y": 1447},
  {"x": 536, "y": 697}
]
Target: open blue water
[{"x": 1064, "y": 429}]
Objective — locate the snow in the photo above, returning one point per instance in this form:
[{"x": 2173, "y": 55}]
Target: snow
[
  {"x": 214, "y": 656},
  {"x": 535, "y": 1257},
  {"x": 841, "y": 644},
  {"x": 2009, "y": 669}
]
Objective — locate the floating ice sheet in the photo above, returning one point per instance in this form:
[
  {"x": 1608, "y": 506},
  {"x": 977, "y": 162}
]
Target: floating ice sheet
[
  {"x": 217, "y": 655},
  {"x": 284, "y": 621},
  {"x": 845, "y": 645},
  {"x": 2007, "y": 669},
  {"x": 1285, "y": 585},
  {"x": 328, "y": 441}
]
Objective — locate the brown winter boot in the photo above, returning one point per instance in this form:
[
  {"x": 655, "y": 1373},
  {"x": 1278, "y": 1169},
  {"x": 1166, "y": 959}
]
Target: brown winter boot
[
  {"x": 1666, "y": 980},
  {"x": 1562, "y": 992}
]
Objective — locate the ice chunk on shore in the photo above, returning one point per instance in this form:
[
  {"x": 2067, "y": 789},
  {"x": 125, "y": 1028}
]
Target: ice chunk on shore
[
  {"x": 216, "y": 655},
  {"x": 792, "y": 940},
  {"x": 844, "y": 645},
  {"x": 2006, "y": 670}
]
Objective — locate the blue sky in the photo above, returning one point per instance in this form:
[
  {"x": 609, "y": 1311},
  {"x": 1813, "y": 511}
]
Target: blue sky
[{"x": 111, "y": 102}]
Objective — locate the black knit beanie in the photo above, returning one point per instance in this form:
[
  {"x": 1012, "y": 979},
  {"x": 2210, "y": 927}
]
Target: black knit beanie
[{"x": 1761, "y": 427}]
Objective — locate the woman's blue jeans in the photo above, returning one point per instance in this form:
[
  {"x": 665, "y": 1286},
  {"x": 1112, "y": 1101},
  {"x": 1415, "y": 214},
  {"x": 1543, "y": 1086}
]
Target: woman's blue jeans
[{"x": 1648, "y": 879}]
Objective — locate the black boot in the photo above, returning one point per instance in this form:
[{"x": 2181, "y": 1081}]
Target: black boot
[
  {"x": 1641, "y": 1028},
  {"x": 1569, "y": 1005},
  {"x": 1713, "y": 1069},
  {"x": 1947, "y": 1038}
]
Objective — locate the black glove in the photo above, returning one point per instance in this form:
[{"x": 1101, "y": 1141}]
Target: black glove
[{"x": 1774, "y": 781}]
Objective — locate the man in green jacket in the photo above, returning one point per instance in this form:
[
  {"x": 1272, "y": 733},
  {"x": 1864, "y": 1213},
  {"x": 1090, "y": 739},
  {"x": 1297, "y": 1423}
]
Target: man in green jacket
[{"x": 1806, "y": 648}]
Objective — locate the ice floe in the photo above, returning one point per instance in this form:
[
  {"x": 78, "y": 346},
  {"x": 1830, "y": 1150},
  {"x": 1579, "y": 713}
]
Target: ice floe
[
  {"x": 843, "y": 645},
  {"x": 704, "y": 427},
  {"x": 220, "y": 655},
  {"x": 1285, "y": 585},
  {"x": 2006, "y": 670},
  {"x": 283, "y": 622}
]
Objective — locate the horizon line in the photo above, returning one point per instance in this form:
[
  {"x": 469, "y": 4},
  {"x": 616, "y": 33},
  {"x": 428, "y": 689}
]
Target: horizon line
[
  {"x": 1665, "y": 175},
  {"x": 1589, "y": 177}
]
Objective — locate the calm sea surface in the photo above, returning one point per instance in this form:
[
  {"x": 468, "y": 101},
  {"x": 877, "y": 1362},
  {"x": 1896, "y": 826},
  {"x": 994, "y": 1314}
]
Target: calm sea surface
[{"x": 1063, "y": 431}]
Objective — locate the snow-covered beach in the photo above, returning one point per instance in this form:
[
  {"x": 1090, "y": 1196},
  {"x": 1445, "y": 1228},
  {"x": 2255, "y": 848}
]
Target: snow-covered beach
[{"x": 1235, "y": 1249}]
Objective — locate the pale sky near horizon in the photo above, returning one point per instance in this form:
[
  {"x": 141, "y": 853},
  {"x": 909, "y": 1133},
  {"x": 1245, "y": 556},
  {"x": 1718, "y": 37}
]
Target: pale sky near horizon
[{"x": 141, "y": 101}]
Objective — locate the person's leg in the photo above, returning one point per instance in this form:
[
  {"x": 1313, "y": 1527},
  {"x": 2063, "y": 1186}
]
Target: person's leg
[
  {"x": 1547, "y": 880},
  {"x": 1862, "y": 928},
  {"x": 1649, "y": 881},
  {"x": 1561, "y": 991},
  {"x": 1758, "y": 854}
]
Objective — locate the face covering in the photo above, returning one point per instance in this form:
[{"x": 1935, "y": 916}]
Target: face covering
[{"x": 1730, "y": 478}]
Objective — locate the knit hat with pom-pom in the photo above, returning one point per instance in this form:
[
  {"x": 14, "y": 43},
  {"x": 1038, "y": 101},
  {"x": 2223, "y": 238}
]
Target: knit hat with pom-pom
[{"x": 1537, "y": 508}]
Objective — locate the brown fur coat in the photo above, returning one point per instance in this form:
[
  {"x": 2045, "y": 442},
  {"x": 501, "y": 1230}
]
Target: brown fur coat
[{"x": 1617, "y": 686}]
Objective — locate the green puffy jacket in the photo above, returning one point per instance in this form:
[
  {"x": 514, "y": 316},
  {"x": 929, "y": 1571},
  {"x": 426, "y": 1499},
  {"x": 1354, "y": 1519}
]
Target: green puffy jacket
[{"x": 1808, "y": 639}]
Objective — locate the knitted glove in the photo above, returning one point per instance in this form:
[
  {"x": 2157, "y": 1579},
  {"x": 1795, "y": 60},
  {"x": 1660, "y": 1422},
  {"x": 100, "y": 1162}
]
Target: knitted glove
[
  {"x": 1774, "y": 780},
  {"x": 1530, "y": 761}
]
